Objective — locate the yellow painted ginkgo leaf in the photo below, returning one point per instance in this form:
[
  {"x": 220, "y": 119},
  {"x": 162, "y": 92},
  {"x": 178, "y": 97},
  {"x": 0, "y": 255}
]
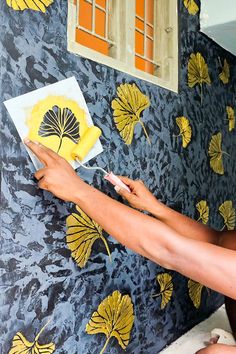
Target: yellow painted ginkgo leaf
[
  {"x": 185, "y": 130},
  {"x": 227, "y": 211},
  {"x": 127, "y": 109},
  {"x": 37, "y": 5},
  {"x": 198, "y": 71},
  {"x": 58, "y": 123},
  {"x": 231, "y": 117},
  {"x": 191, "y": 6},
  {"x": 114, "y": 318},
  {"x": 225, "y": 74},
  {"x": 216, "y": 154},
  {"x": 82, "y": 232},
  {"x": 195, "y": 292},
  {"x": 166, "y": 288},
  {"x": 203, "y": 210},
  {"x": 20, "y": 345}
]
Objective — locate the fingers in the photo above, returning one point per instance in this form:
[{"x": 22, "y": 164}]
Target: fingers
[
  {"x": 214, "y": 339},
  {"x": 126, "y": 180},
  {"x": 39, "y": 174},
  {"x": 130, "y": 182},
  {"x": 44, "y": 154},
  {"x": 42, "y": 184},
  {"x": 123, "y": 192}
]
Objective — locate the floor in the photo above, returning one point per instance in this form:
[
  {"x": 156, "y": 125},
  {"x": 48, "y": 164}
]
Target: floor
[{"x": 196, "y": 338}]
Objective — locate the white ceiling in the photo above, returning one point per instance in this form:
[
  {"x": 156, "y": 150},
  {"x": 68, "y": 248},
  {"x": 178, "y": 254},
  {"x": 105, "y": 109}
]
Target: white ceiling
[{"x": 218, "y": 21}]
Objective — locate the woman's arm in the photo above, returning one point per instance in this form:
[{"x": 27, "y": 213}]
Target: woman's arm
[
  {"x": 141, "y": 198},
  {"x": 208, "y": 264}
]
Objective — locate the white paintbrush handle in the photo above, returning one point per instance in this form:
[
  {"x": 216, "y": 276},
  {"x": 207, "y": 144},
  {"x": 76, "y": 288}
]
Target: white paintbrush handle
[{"x": 116, "y": 181}]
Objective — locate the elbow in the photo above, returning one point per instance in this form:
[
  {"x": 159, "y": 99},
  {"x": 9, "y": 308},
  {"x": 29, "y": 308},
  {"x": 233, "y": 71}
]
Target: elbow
[{"x": 161, "y": 254}]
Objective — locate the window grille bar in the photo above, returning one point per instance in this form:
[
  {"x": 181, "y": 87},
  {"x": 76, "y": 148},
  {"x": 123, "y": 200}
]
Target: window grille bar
[
  {"x": 149, "y": 37},
  {"x": 139, "y": 17},
  {"x": 93, "y": 16},
  {"x": 149, "y": 24},
  {"x": 95, "y": 35},
  {"x": 96, "y": 5},
  {"x": 92, "y": 32},
  {"x": 146, "y": 59},
  {"x": 107, "y": 18},
  {"x": 144, "y": 32},
  {"x": 100, "y": 8},
  {"x": 77, "y": 13},
  {"x": 139, "y": 30}
]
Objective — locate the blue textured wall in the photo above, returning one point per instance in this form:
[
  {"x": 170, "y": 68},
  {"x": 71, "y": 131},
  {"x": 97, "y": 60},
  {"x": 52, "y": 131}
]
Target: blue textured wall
[{"x": 38, "y": 278}]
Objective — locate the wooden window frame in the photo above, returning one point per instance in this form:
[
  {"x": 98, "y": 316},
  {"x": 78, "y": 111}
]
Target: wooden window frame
[{"x": 122, "y": 55}]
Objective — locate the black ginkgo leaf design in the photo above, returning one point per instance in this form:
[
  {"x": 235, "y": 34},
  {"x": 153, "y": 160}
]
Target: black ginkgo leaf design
[{"x": 60, "y": 122}]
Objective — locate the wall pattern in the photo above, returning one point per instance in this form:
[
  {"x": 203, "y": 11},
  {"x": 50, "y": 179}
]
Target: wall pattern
[{"x": 39, "y": 279}]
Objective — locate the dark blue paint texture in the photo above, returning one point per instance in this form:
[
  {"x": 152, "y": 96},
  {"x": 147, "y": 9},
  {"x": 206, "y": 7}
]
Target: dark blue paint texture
[{"x": 38, "y": 278}]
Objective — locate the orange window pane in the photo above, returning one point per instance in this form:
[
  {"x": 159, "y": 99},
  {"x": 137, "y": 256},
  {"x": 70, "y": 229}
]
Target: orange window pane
[
  {"x": 139, "y": 24},
  {"x": 85, "y": 14},
  {"x": 92, "y": 42},
  {"x": 101, "y": 3},
  {"x": 144, "y": 65},
  {"x": 149, "y": 31},
  {"x": 139, "y": 43},
  {"x": 140, "y": 8},
  {"x": 149, "y": 48},
  {"x": 150, "y": 11},
  {"x": 100, "y": 22}
]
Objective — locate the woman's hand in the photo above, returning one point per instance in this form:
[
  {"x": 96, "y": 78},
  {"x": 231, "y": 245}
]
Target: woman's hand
[
  {"x": 218, "y": 349},
  {"x": 57, "y": 176},
  {"x": 140, "y": 197}
]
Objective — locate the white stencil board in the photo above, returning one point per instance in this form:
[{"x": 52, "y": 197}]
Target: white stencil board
[{"x": 20, "y": 107}]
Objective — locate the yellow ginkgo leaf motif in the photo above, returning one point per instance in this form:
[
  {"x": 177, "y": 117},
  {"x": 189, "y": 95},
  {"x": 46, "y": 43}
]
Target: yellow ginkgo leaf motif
[
  {"x": 185, "y": 130},
  {"x": 127, "y": 109},
  {"x": 225, "y": 74},
  {"x": 191, "y": 6},
  {"x": 195, "y": 292},
  {"x": 227, "y": 211},
  {"x": 37, "y": 5},
  {"x": 203, "y": 210},
  {"x": 216, "y": 154},
  {"x": 166, "y": 288},
  {"x": 231, "y": 117},
  {"x": 82, "y": 232},
  {"x": 20, "y": 345},
  {"x": 114, "y": 318},
  {"x": 58, "y": 123},
  {"x": 198, "y": 71}
]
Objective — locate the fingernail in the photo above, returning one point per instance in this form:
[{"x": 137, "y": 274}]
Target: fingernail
[
  {"x": 36, "y": 142},
  {"x": 117, "y": 189},
  {"x": 26, "y": 141}
]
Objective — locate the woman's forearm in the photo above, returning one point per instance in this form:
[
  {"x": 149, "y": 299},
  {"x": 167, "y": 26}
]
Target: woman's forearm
[
  {"x": 183, "y": 224},
  {"x": 128, "y": 226},
  {"x": 142, "y": 199},
  {"x": 159, "y": 242},
  {"x": 209, "y": 264}
]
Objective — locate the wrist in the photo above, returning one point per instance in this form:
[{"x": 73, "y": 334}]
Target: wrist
[
  {"x": 156, "y": 208},
  {"x": 76, "y": 194},
  {"x": 80, "y": 192}
]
